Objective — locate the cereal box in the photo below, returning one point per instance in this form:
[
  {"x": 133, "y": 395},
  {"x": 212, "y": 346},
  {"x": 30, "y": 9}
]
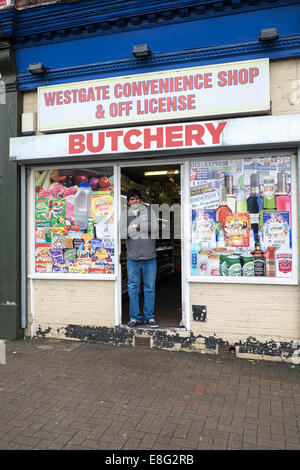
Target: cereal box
[
  {"x": 42, "y": 212},
  {"x": 101, "y": 205},
  {"x": 58, "y": 213}
]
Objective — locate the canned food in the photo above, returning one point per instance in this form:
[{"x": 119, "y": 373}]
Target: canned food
[
  {"x": 202, "y": 261},
  {"x": 248, "y": 266},
  {"x": 234, "y": 267},
  {"x": 213, "y": 265}
]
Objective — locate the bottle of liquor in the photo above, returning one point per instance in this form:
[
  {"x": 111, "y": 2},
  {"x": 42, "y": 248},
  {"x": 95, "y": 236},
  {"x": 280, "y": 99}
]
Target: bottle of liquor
[
  {"x": 259, "y": 259},
  {"x": 284, "y": 259},
  {"x": 230, "y": 197},
  {"x": 253, "y": 203},
  {"x": 283, "y": 200},
  {"x": 241, "y": 203},
  {"x": 270, "y": 262},
  {"x": 223, "y": 210},
  {"x": 269, "y": 200}
]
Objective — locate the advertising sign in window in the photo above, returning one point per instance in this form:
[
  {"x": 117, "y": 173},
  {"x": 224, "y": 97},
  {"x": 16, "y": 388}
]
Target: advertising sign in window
[
  {"x": 241, "y": 217},
  {"x": 74, "y": 221}
]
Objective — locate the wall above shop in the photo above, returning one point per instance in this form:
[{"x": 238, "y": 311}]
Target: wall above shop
[{"x": 92, "y": 39}]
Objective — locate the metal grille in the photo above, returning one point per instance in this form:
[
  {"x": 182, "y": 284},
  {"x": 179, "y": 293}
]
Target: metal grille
[
  {"x": 227, "y": 350},
  {"x": 142, "y": 342}
]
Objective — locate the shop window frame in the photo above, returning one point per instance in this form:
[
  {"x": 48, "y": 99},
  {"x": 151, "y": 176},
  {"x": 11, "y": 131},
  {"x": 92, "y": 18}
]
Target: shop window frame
[
  {"x": 31, "y": 236},
  {"x": 227, "y": 155}
]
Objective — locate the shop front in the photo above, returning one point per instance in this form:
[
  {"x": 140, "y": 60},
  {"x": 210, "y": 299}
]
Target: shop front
[{"x": 220, "y": 171}]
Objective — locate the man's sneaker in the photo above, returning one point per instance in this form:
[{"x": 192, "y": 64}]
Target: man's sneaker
[
  {"x": 132, "y": 324},
  {"x": 151, "y": 323}
]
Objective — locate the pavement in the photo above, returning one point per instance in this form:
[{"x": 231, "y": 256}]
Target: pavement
[{"x": 70, "y": 395}]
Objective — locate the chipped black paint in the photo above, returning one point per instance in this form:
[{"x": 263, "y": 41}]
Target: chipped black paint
[
  {"x": 267, "y": 348},
  {"x": 42, "y": 333},
  {"x": 171, "y": 339},
  {"x": 102, "y": 334}
]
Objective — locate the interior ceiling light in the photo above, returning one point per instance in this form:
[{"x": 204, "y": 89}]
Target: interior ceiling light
[
  {"x": 161, "y": 172},
  {"x": 268, "y": 34},
  {"x": 141, "y": 50}
]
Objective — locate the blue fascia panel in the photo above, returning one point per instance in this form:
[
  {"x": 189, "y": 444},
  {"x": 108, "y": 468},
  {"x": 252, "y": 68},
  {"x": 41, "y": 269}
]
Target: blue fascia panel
[{"x": 199, "y": 42}]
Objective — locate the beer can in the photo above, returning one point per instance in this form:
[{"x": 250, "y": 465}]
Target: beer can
[
  {"x": 223, "y": 265},
  {"x": 202, "y": 261},
  {"x": 234, "y": 267},
  {"x": 247, "y": 266},
  {"x": 213, "y": 265}
]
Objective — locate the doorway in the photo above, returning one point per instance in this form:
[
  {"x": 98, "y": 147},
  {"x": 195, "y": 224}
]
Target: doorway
[{"x": 159, "y": 185}]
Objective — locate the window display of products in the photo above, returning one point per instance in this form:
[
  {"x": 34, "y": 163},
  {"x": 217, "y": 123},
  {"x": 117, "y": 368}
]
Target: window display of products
[
  {"x": 74, "y": 226},
  {"x": 245, "y": 203}
]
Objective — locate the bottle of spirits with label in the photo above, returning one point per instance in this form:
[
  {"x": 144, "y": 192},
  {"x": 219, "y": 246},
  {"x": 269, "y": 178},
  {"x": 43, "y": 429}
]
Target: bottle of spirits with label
[
  {"x": 283, "y": 200},
  {"x": 270, "y": 262},
  {"x": 284, "y": 259},
  {"x": 230, "y": 197},
  {"x": 223, "y": 210},
  {"x": 241, "y": 203},
  {"x": 253, "y": 203},
  {"x": 269, "y": 200},
  {"x": 259, "y": 259}
]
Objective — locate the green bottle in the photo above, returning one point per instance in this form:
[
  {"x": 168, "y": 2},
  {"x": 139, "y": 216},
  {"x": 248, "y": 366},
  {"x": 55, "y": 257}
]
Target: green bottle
[
  {"x": 241, "y": 202},
  {"x": 269, "y": 199}
]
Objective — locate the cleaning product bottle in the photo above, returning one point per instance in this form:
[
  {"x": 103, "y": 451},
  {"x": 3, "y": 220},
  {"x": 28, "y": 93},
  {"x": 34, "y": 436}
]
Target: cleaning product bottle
[{"x": 82, "y": 205}]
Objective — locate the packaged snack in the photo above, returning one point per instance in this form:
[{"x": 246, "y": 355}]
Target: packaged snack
[
  {"x": 58, "y": 241},
  {"x": 43, "y": 267},
  {"x": 237, "y": 229},
  {"x": 102, "y": 204},
  {"x": 69, "y": 255},
  {"x": 42, "y": 212},
  {"x": 42, "y": 253},
  {"x": 57, "y": 256},
  {"x": 96, "y": 244},
  {"x": 60, "y": 269},
  {"x": 58, "y": 213}
]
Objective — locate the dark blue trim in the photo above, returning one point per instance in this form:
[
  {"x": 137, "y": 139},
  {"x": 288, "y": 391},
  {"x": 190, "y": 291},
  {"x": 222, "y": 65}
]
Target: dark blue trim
[{"x": 287, "y": 47}]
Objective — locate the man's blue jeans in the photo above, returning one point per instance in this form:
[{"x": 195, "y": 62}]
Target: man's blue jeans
[{"x": 134, "y": 270}]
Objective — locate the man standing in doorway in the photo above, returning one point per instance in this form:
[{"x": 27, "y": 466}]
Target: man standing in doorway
[{"x": 142, "y": 230}]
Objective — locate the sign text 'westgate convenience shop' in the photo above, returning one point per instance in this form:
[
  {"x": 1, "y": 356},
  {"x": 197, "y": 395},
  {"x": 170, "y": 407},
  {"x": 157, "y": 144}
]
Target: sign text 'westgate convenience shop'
[{"x": 239, "y": 87}]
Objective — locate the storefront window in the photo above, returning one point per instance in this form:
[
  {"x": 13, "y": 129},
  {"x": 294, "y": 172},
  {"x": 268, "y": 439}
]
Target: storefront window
[
  {"x": 241, "y": 217},
  {"x": 74, "y": 221}
]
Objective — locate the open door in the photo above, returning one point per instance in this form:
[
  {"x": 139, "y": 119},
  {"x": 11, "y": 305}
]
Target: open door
[{"x": 159, "y": 184}]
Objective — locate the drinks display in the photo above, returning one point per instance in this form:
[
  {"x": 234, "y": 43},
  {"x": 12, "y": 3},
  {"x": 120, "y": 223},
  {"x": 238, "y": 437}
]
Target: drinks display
[
  {"x": 269, "y": 200},
  {"x": 241, "y": 202},
  {"x": 259, "y": 259},
  {"x": 251, "y": 200},
  {"x": 82, "y": 205},
  {"x": 283, "y": 200},
  {"x": 253, "y": 203},
  {"x": 284, "y": 260},
  {"x": 230, "y": 197},
  {"x": 223, "y": 210}
]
